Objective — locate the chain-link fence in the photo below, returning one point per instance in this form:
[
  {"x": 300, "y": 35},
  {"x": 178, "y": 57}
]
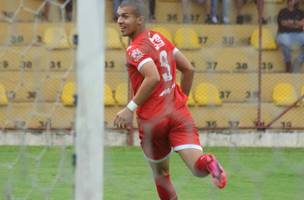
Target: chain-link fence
[
  {"x": 37, "y": 74},
  {"x": 241, "y": 80}
]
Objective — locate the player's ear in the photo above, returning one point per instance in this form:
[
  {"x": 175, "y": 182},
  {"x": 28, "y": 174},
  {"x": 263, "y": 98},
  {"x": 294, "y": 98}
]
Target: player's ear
[{"x": 140, "y": 20}]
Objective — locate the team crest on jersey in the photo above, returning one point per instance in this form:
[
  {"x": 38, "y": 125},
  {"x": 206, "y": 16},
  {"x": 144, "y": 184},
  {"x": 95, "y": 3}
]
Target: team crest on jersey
[
  {"x": 156, "y": 41},
  {"x": 136, "y": 55}
]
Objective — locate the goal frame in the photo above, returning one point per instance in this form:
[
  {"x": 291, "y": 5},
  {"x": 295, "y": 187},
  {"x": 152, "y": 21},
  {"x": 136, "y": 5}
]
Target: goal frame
[{"x": 90, "y": 109}]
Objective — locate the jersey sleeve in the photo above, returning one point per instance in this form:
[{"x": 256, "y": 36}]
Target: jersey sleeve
[{"x": 138, "y": 55}]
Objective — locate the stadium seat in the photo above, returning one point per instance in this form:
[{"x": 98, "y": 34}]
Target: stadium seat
[
  {"x": 171, "y": 11},
  {"x": 237, "y": 115},
  {"x": 36, "y": 58},
  {"x": 125, "y": 42},
  {"x": 168, "y": 12},
  {"x": 268, "y": 41},
  {"x": 113, "y": 38},
  {"x": 39, "y": 115},
  {"x": 59, "y": 60},
  {"x": 55, "y": 38},
  {"x": 249, "y": 10},
  {"x": 163, "y": 31},
  {"x": 291, "y": 119},
  {"x": 8, "y": 58},
  {"x": 17, "y": 34},
  {"x": 206, "y": 94},
  {"x": 284, "y": 94},
  {"x": 190, "y": 101},
  {"x": 63, "y": 117},
  {"x": 270, "y": 80},
  {"x": 27, "y": 86},
  {"x": 68, "y": 94},
  {"x": 3, "y": 97},
  {"x": 108, "y": 96},
  {"x": 115, "y": 78},
  {"x": 121, "y": 94},
  {"x": 228, "y": 115},
  {"x": 186, "y": 38},
  {"x": 233, "y": 87},
  {"x": 115, "y": 60},
  {"x": 228, "y": 35}
]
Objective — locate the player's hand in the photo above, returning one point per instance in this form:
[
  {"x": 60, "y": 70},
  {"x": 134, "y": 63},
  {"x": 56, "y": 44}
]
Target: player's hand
[{"x": 123, "y": 119}]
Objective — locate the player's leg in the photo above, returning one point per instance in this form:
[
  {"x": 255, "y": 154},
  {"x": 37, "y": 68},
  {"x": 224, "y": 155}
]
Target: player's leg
[
  {"x": 154, "y": 141},
  {"x": 203, "y": 164},
  {"x": 190, "y": 157},
  {"x": 162, "y": 180},
  {"x": 184, "y": 139}
]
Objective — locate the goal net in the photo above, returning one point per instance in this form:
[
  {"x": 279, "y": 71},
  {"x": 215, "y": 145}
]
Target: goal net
[
  {"x": 45, "y": 73},
  {"x": 37, "y": 81}
]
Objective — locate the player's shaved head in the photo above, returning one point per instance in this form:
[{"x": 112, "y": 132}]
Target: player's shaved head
[{"x": 138, "y": 5}]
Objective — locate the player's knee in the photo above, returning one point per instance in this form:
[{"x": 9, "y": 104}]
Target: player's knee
[
  {"x": 160, "y": 171},
  {"x": 199, "y": 169},
  {"x": 199, "y": 173}
]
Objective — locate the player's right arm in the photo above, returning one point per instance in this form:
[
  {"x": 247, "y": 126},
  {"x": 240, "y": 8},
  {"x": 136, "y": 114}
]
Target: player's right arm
[
  {"x": 151, "y": 76},
  {"x": 151, "y": 79},
  {"x": 187, "y": 70}
]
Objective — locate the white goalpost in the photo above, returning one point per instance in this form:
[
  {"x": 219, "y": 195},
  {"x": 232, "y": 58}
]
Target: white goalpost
[{"x": 89, "y": 113}]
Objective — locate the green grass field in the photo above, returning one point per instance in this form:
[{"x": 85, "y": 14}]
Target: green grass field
[{"x": 39, "y": 173}]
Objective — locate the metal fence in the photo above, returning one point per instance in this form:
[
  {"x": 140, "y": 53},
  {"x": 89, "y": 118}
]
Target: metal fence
[{"x": 240, "y": 81}]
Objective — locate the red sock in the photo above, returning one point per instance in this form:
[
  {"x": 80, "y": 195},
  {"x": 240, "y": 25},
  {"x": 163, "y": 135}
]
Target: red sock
[
  {"x": 201, "y": 166},
  {"x": 165, "y": 188}
]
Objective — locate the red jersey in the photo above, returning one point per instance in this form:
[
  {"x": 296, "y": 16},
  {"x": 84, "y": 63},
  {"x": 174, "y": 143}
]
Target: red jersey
[{"x": 167, "y": 95}]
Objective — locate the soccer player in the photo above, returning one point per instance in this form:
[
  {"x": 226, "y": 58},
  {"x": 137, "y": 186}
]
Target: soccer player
[{"x": 164, "y": 121}]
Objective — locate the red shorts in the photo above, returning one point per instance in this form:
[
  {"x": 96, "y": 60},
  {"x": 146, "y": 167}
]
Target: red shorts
[{"x": 158, "y": 136}]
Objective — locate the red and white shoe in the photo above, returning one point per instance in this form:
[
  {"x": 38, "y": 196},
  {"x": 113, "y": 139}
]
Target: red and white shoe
[{"x": 217, "y": 172}]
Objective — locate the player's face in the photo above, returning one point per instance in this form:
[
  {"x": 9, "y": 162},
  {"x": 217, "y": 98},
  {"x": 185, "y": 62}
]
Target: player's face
[
  {"x": 291, "y": 3},
  {"x": 127, "y": 21}
]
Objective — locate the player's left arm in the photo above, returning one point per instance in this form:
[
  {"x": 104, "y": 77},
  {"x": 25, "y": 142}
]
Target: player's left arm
[
  {"x": 187, "y": 70},
  {"x": 151, "y": 76}
]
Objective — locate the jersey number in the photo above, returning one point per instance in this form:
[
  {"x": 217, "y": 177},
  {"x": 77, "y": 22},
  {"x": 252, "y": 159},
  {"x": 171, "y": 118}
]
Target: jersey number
[{"x": 167, "y": 76}]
